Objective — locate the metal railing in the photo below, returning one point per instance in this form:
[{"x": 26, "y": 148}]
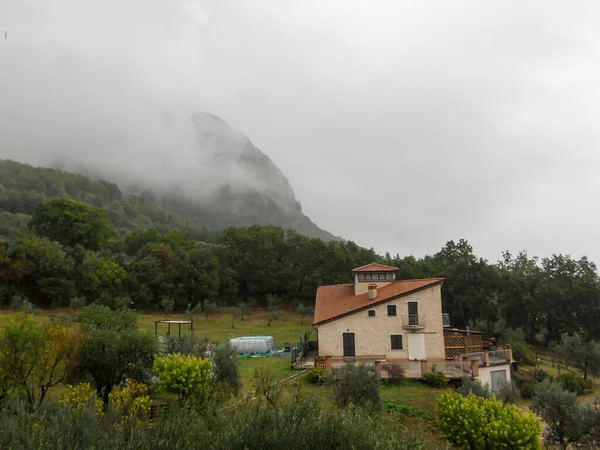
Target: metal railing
[
  {"x": 413, "y": 321},
  {"x": 498, "y": 355}
]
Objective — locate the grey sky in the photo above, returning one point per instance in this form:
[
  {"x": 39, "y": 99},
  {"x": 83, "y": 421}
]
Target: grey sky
[{"x": 400, "y": 125}]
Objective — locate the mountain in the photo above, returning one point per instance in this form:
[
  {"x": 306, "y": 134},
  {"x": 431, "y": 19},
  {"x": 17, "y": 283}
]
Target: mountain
[
  {"x": 250, "y": 189},
  {"x": 223, "y": 181},
  {"x": 205, "y": 171}
]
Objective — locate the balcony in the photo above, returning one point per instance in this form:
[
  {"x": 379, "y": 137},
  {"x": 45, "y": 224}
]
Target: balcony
[
  {"x": 413, "y": 322},
  {"x": 445, "y": 320}
]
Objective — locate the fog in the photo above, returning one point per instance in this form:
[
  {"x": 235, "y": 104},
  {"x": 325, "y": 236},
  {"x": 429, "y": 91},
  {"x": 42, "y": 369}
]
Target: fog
[{"x": 400, "y": 125}]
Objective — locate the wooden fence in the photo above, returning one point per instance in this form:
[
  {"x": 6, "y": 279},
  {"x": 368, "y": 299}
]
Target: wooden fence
[
  {"x": 458, "y": 344},
  {"x": 560, "y": 365}
]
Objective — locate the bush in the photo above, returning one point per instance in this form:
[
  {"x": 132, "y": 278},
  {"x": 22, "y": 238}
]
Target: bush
[
  {"x": 477, "y": 423},
  {"x": 525, "y": 383},
  {"x": 540, "y": 375},
  {"x": 509, "y": 393},
  {"x": 356, "y": 385},
  {"x": 572, "y": 383},
  {"x": 567, "y": 421},
  {"x": 185, "y": 375},
  {"x": 470, "y": 386},
  {"x": 317, "y": 375},
  {"x": 521, "y": 353},
  {"x": 395, "y": 373},
  {"x": 226, "y": 367},
  {"x": 435, "y": 378}
]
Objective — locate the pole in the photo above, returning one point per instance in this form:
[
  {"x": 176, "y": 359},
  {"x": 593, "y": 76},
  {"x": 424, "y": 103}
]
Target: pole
[
  {"x": 155, "y": 328},
  {"x": 179, "y": 330}
]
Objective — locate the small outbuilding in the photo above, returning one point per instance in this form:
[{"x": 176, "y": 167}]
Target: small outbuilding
[{"x": 253, "y": 345}]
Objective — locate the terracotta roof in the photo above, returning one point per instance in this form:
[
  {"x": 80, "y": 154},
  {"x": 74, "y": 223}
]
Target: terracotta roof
[
  {"x": 339, "y": 300},
  {"x": 375, "y": 267}
]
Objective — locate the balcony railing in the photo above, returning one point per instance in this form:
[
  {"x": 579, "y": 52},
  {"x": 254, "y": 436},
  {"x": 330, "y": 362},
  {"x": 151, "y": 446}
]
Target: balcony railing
[
  {"x": 445, "y": 320},
  {"x": 413, "y": 321}
]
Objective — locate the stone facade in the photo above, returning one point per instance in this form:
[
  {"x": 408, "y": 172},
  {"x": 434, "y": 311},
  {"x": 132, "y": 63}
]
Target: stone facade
[{"x": 373, "y": 334}]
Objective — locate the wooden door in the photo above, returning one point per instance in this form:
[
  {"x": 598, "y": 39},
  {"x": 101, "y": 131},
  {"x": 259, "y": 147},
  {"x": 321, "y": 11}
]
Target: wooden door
[{"x": 349, "y": 344}]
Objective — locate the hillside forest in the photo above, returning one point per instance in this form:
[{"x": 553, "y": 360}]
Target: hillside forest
[{"x": 67, "y": 239}]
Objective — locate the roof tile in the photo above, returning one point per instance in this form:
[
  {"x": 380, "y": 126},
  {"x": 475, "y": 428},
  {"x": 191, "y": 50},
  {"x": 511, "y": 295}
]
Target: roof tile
[
  {"x": 375, "y": 267},
  {"x": 339, "y": 299}
]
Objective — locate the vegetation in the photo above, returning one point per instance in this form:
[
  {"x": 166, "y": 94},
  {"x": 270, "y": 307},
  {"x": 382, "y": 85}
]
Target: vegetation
[
  {"x": 572, "y": 383},
  {"x": 435, "y": 378},
  {"x": 568, "y": 422},
  {"x": 477, "y": 423},
  {"x": 185, "y": 375},
  {"x": 356, "y": 385}
]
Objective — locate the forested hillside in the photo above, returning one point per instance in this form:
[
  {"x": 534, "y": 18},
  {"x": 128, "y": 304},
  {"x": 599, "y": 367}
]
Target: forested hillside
[
  {"x": 102, "y": 246},
  {"x": 23, "y": 187}
]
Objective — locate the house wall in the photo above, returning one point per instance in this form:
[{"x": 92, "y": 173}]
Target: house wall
[
  {"x": 372, "y": 334},
  {"x": 485, "y": 373},
  {"x": 360, "y": 287}
]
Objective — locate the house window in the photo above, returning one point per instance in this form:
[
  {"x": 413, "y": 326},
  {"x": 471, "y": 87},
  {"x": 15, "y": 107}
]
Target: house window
[
  {"x": 371, "y": 313},
  {"x": 396, "y": 342},
  {"x": 389, "y": 276},
  {"x": 382, "y": 276},
  {"x": 391, "y": 310},
  {"x": 368, "y": 276},
  {"x": 361, "y": 277}
]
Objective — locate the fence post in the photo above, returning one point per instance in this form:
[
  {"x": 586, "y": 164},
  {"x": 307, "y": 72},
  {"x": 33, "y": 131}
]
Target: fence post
[
  {"x": 486, "y": 358},
  {"x": 510, "y": 355},
  {"x": 328, "y": 364}
]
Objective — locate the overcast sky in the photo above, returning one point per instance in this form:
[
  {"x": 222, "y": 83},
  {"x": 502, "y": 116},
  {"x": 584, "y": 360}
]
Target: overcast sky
[{"x": 400, "y": 124}]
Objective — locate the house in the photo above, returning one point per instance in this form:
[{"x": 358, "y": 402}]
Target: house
[{"x": 378, "y": 319}]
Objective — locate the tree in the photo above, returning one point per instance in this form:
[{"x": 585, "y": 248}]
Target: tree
[
  {"x": 245, "y": 309},
  {"x": 185, "y": 375},
  {"x": 226, "y": 367},
  {"x": 273, "y": 308},
  {"x": 568, "y": 422},
  {"x": 46, "y": 271},
  {"x": 167, "y": 303},
  {"x": 356, "y": 385},
  {"x": 113, "y": 349},
  {"x": 36, "y": 357},
  {"x": 101, "y": 279},
  {"x": 304, "y": 311},
  {"x": 577, "y": 352},
  {"x": 235, "y": 313},
  {"x": 70, "y": 222},
  {"x": 210, "y": 308}
]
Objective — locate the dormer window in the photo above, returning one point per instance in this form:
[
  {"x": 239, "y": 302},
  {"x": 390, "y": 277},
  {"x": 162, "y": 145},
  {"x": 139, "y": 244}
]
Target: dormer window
[{"x": 375, "y": 277}]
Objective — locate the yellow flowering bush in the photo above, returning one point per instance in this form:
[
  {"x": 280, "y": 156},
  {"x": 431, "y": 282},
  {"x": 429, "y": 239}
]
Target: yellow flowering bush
[
  {"x": 184, "y": 375},
  {"x": 477, "y": 423},
  {"x": 132, "y": 399},
  {"x": 77, "y": 396}
]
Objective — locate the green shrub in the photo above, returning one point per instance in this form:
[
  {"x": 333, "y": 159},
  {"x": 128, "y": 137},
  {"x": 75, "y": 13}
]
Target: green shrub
[
  {"x": 470, "y": 386},
  {"x": 476, "y": 423},
  {"x": 509, "y": 393},
  {"x": 525, "y": 383},
  {"x": 435, "y": 378},
  {"x": 540, "y": 375},
  {"x": 572, "y": 383},
  {"x": 405, "y": 410},
  {"x": 317, "y": 375},
  {"x": 521, "y": 353},
  {"x": 567, "y": 421},
  {"x": 358, "y": 386}
]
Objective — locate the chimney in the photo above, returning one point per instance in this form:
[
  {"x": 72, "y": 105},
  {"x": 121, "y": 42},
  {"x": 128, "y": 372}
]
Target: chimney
[{"x": 372, "y": 291}]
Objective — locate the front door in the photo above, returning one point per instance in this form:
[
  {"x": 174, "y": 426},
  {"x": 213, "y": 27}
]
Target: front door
[
  {"x": 349, "y": 344},
  {"x": 416, "y": 347},
  {"x": 413, "y": 313}
]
